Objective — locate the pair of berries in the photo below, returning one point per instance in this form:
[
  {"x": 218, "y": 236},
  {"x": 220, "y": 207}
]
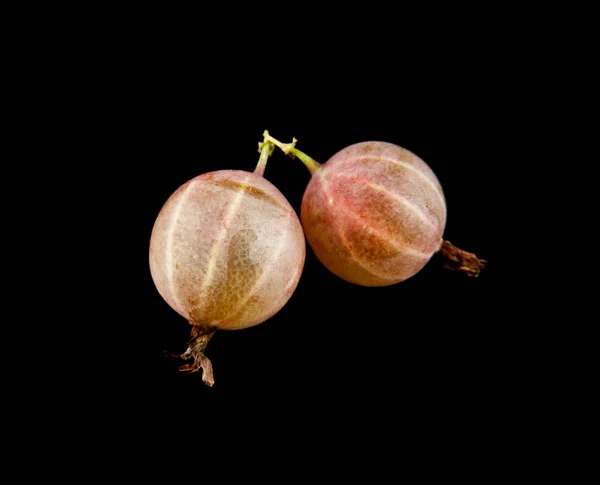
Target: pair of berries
[{"x": 227, "y": 249}]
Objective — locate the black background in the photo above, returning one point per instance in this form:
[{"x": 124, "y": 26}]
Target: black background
[
  {"x": 439, "y": 348},
  {"x": 434, "y": 340},
  {"x": 127, "y": 106}
]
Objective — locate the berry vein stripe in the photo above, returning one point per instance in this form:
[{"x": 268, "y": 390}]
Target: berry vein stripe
[
  {"x": 170, "y": 264},
  {"x": 406, "y": 203},
  {"x": 358, "y": 260},
  {"x": 401, "y": 248},
  {"x": 371, "y": 230},
  {"x": 267, "y": 272},
  {"x": 218, "y": 245},
  {"x": 438, "y": 189}
]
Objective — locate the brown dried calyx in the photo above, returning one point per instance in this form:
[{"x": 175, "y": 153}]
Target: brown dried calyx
[
  {"x": 456, "y": 259},
  {"x": 198, "y": 342}
]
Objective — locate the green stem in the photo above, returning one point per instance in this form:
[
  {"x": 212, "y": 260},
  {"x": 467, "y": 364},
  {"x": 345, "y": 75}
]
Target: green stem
[
  {"x": 266, "y": 149},
  {"x": 290, "y": 149}
]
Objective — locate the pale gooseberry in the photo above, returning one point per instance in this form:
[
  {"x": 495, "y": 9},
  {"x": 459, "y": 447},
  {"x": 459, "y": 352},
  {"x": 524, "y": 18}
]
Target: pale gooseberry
[{"x": 226, "y": 252}]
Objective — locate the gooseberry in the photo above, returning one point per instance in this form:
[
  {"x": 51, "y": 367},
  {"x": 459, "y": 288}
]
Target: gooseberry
[
  {"x": 226, "y": 252},
  {"x": 375, "y": 213}
]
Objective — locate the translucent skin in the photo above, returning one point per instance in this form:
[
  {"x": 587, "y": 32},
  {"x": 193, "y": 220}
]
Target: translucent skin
[
  {"x": 374, "y": 214},
  {"x": 227, "y": 250}
]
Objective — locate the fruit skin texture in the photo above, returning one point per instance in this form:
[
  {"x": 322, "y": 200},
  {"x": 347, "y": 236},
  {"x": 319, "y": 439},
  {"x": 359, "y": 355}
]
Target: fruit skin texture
[
  {"x": 374, "y": 214},
  {"x": 227, "y": 250}
]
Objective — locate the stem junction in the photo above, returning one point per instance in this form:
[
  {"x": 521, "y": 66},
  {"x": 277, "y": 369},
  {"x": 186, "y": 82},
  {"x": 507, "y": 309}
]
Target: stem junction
[{"x": 291, "y": 150}]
